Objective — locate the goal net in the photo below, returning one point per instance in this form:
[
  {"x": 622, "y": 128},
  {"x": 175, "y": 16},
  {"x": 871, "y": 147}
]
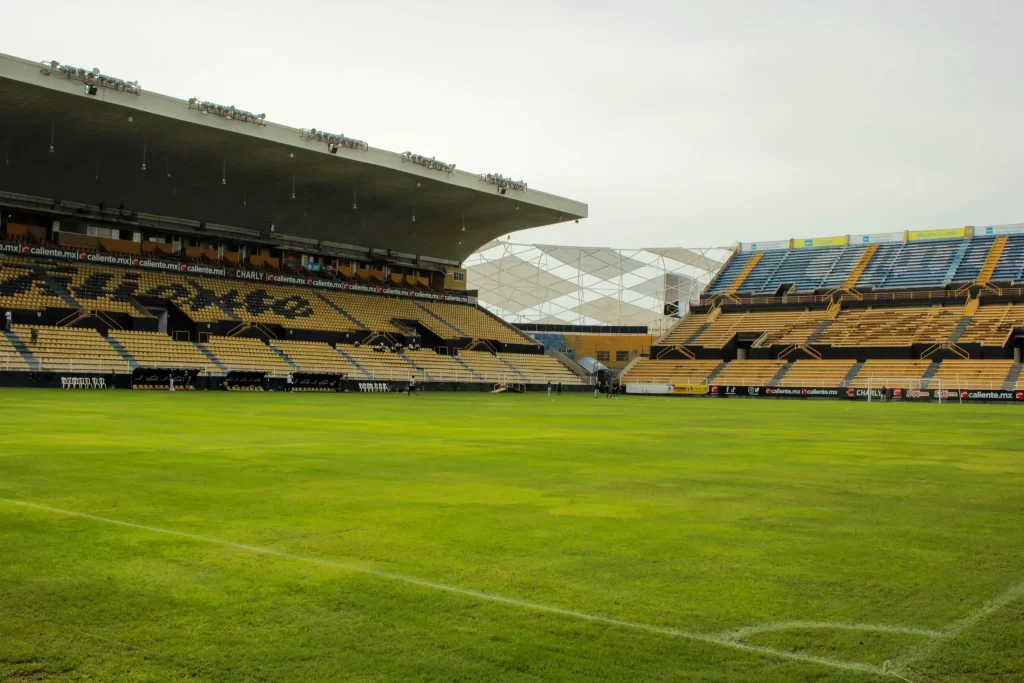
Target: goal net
[{"x": 903, "y": 388}]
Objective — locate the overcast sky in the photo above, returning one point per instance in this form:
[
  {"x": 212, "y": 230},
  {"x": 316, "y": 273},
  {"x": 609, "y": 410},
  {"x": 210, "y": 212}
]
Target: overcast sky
[{"x": 686, "y": 123}]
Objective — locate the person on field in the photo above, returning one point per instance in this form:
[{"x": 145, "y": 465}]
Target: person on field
[
  {"x": 597, "y": 389},
  {"x": 170, "y": 380},
  {"x": 559, "y": 389},
  {"x": 411, "y": 391},
  {"x": 549, "y": 388},
  {"x": 290, "y": 380}
]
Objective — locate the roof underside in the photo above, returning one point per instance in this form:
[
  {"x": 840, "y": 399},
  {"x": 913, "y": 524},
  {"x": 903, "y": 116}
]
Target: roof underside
[{"x": 205, "y": 168}]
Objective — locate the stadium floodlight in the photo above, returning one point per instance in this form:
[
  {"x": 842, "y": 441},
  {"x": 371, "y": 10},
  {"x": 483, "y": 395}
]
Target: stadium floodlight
[
  {"x": 428, "y": 162},
  {"x": 502, "y": 182},
  {"x": 92, "y": 78},
  {"x": 229, "y": 112},
  {"x": 334, "y": 141}
]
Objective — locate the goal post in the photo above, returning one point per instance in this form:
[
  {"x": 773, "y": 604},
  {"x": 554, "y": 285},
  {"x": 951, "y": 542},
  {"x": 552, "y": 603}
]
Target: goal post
[{"x": 875, "y": 385}]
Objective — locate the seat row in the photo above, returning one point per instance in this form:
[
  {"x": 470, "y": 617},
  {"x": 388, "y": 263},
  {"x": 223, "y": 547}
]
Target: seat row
[
  {"x": 990, "y": 325},
  {"x": 971, "y": 374},
  {"x": 208, "y": 299}
]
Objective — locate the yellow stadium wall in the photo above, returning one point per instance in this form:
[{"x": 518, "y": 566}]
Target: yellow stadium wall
[
  {"x": 451, "y": 283},
  {"x": 584, "y": 345}
]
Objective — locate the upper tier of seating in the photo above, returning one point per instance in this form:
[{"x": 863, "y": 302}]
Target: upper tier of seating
[
  {"x": 33, "y": 285},
  {"x": 894, "y": 265}
]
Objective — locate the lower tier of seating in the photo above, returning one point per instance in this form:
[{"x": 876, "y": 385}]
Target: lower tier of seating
[{"x": 923, "y": 374}]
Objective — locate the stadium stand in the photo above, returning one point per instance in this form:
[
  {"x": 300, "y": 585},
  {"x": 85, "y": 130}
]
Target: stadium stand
[
  {"x": 155, "y": 349},
  {"x": 992, "y": 325},
  {"x": 973, "y": 374},
  {"x": 475, "y": 323},
  {"x": 539, "y": 369},
  {"x": 750, "y": 372},
  {"x": 315, "y": 357},
  {"x": 490, "y": 367},
  {"x": 440, "y": 367},
  {"x": 877, "y": 372},
  {"x": 648, "y": 371},
  {"x": 817, "y": 373},
  {"x": 71, "y": 349},
  {"x": 779, "y": 327},
  {"x": 10, "y": 357},
  {"x": 892, "y": 326},
  {"x": 21, "y": 287},
  {"x": 237, "y": 353},
  {"x": 386, "y": 365}
]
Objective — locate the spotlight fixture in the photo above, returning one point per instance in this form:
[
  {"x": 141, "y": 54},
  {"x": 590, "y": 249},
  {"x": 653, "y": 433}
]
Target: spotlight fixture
[
  {"x": 502, "y": 182},
  {"x": 92, "y": 78},
  {"x": 229, "y": 112},
  {"x": 333, "y": 140},
  {"x": 431, "y": 163}
]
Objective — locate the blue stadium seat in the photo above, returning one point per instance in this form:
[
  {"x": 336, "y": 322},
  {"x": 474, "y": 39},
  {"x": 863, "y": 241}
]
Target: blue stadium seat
[
  {"x": 765, "y": 269},
  {"x": 922, "y": 264},
  {"x": 878, "y": 269},
  {"x": 805, "y": 268},
  {"x": 1011, "y": 264},
  {"x": 842, "y": 268},
  {"x": 973, "y": 260},
  {"x": 731, "y": 271}
]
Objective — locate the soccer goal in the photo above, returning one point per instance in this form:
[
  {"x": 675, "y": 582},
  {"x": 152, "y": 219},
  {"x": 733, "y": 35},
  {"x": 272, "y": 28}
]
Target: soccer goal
[{"x": 883, "y": 388}]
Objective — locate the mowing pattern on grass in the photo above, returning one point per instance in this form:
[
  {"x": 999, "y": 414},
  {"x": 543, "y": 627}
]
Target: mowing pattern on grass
[{"x": 518, "y": 539}]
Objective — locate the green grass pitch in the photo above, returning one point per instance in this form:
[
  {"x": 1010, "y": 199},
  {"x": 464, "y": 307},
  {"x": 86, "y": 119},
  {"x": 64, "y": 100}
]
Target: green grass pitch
[{"x": 476, "y": 537}]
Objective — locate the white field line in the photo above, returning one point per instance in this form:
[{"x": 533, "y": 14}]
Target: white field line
[
  {"x": 926, "y": 648},
  {"x": 744, "y": 632},
  {"x": 538, "y": 607}
]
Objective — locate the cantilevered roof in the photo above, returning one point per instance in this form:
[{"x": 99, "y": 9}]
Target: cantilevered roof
[{"x": 207, "y": 168}]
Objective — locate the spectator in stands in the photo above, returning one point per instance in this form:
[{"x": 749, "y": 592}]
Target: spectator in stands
[
  {"x": 8, "y": 321},
  {"x": 357, "y": 344},
  {"x": 35, "y": 335}
]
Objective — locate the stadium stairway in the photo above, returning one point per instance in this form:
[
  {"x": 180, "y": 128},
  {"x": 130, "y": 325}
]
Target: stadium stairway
[
  {"x": 22, "y": 350},
  {"x": 926, "y": 378},
  {"x": 852, "y": 374},
  {"x": 123, "y": 352},
  {"x": 700, "y": 330},
  {"x": 426, "y": 375},
  {"x": 510, "y": 366},
  {"x": 441, "y": 320},
  {"x": 819, "y": 330},
  {"x": 574, "y": 367},
  {"x": 58, "y": 288},
  {"x": 468, "y": 369},
  {"x": 714, "y": 373},
  {"x": 354, "y": 363},
  {"x": 284, "y": 357},
  {"x": 774, "y": 381},
  {"x": 960, "y": 328},
  {"x": 341, "y": 311},
  {"x": 1010, "y": 383},
  {"x": 213, "y": 359}
]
